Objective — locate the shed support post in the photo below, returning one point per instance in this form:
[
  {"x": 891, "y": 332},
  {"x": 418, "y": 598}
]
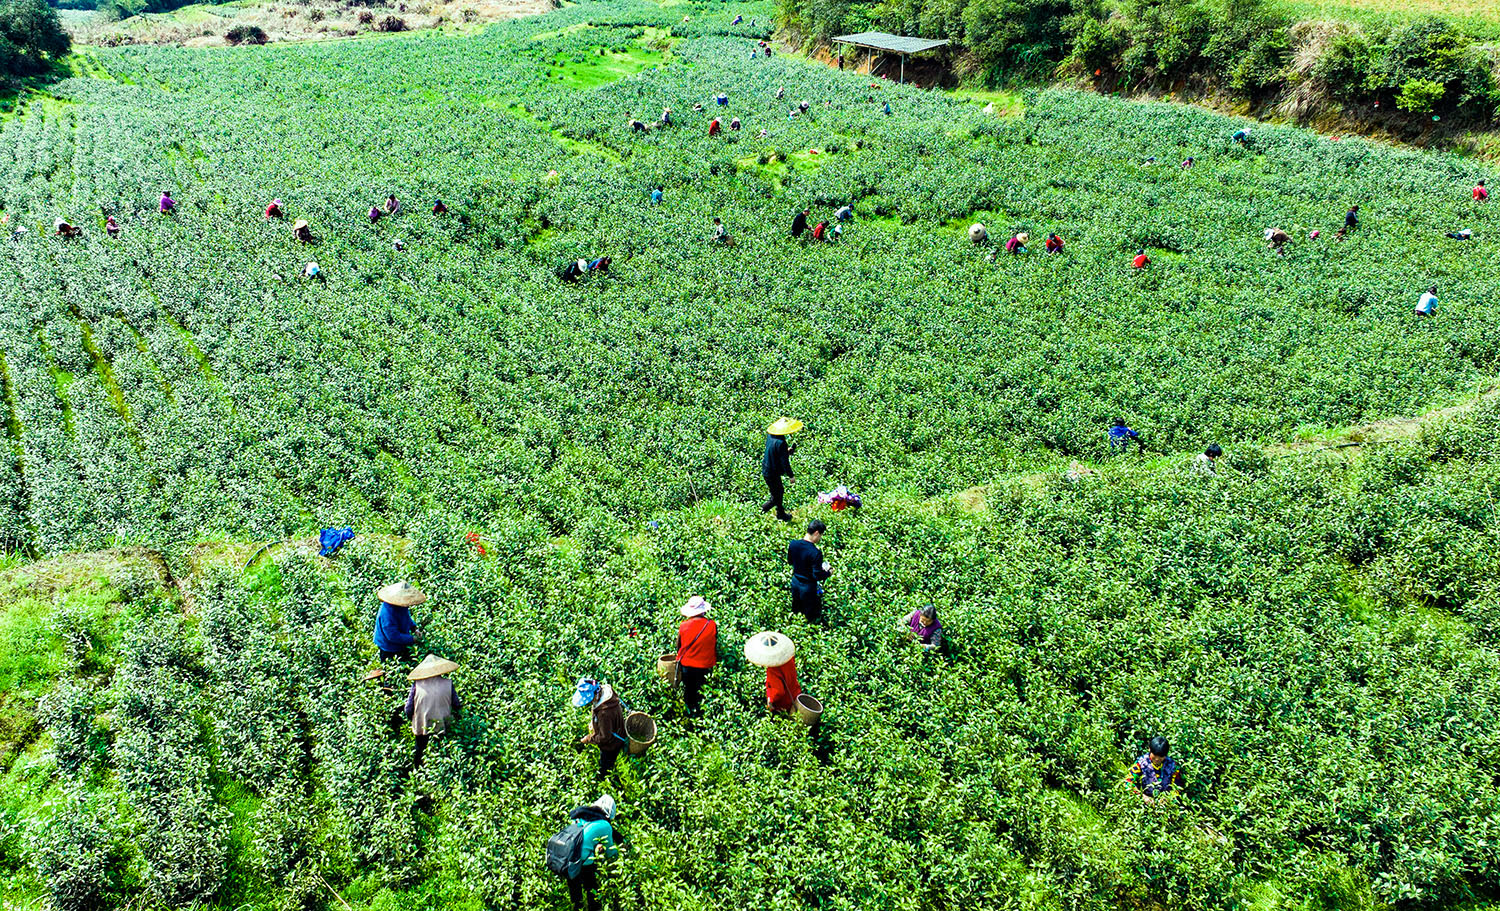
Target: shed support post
[{"x": 903, "y": 69}]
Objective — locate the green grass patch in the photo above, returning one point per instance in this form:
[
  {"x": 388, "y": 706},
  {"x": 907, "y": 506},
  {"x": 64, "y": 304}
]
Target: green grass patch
[{"x": 603, "y": 66}]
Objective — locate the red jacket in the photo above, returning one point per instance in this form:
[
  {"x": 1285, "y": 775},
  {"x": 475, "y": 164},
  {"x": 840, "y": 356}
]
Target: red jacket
[
  {"x": 1481, "y": 194},
  {"x": 698, "y": 643},
  {"x": 1142, "y": 261},
  {"x": 713, "y": 127},
  {"x": 781, "y": 686}
]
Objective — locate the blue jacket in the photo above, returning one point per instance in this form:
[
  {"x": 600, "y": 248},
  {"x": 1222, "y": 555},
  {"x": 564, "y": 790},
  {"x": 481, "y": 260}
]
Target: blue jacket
[
  {"x": 394, "y": 629},
  {"x": 597, "y": 832}
]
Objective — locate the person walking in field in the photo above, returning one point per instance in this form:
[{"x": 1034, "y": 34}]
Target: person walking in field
[
  {"x": 697, "y": 651},
  {"x": 799, "y": 223},
  {"x": 776, "y": 463},
  {"x": 1120, "y": 436},
  {"x": 431, "y": 702},
  {"x": 395, "y": 631},
  {"x": 606, "y": 721},
  {"x": 1207, "y": 462},
  {"x": 1481, "y": 193},
  {"x": 1141, "y": 260},
  {"x": 273, "y": 209},
  {"x": 1427, "y": 303},
  {"x": 166, "y": 204},
  {"x": 1156, "y": 775},
  {"x": 809, "y": 569}
]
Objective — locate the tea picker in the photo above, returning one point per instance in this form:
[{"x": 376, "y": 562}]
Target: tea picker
[
  {"x": 606, "y": 721},
  {"x": 776, "y": 653},
  {"x": 924, "y": 626},
  {"x": 1481, "y": 192},
  {"x": 1427, "y": 303},
  {"x": 431, "y": 703},
  {"x": 574, "y": 852},
  {"x": 799, "y": 223},
  {"x": 1277, "y": 238},
  {"x": 1156, "y": 775},
  {"x": 697, "y": 650},
  {"x": 302, "y": 232},
  {"x": 808, "y": 569},
  {"x": 776, "y": 463},
  {"x": 395, "y": 632},
  {"x": 1207, "y": 463},
  {"x": 1120, "y": 437},
  {"x": 273, "y": 210}
]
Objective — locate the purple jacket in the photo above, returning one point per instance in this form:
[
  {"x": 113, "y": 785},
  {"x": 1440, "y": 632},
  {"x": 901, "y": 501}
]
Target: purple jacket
[{"x": 930, "y": 635}]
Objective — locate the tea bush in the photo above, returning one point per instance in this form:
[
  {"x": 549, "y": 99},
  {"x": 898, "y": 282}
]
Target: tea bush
[{"x": 1313, "y": 628}]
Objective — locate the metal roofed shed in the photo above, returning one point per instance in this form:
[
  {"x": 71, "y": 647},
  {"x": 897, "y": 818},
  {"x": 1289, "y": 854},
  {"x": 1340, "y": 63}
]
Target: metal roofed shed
[{"x": 889, "y": 44}]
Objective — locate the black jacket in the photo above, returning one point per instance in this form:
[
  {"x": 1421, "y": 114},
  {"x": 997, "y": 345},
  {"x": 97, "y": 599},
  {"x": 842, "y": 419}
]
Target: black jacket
[
  {"x": 777, "y": 460},
  {"x": 799, "y": 224},
  {"x": 806, "y": 560}
]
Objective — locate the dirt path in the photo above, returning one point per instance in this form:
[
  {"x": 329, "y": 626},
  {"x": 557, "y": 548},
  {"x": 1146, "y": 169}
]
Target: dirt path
[{"x": 1389, "y": 430}]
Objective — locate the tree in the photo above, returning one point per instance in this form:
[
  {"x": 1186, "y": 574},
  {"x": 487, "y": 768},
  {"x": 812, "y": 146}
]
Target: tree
[{"x": 31, "y": 37}]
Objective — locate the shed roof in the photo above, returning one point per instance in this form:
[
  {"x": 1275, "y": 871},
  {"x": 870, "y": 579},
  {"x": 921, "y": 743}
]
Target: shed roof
[{"x": 896, "y": 44}]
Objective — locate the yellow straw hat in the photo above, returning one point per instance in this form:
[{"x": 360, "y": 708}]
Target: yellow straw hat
[
  {"x": 432, "y": 666},
  {"x": 1023, "y": 237},
  {"x": 784, "y": 426}
]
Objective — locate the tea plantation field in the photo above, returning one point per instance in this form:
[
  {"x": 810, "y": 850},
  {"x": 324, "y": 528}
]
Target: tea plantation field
[{"x": 559, "y": 465}]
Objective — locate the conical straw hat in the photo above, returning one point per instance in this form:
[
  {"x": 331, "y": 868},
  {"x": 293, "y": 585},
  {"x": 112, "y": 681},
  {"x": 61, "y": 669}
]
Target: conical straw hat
[
  {"x": 784, "y": 426},
  {"x": 432, "y": 666},
  {"x": 402, "y": 594},
  {"x": 769, "y": 649}
]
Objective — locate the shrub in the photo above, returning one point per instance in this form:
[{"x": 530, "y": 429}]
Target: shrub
[
  {"x": 366, "y": 17},
  {"x": 391, "y": 24},
  {"x": 246, "y": 34},
  {"x": 1420, "y": 96}
]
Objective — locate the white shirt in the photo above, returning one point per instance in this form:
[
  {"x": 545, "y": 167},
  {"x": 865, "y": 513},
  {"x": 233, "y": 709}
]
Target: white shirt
[{"x": 1427, "y": 303}]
